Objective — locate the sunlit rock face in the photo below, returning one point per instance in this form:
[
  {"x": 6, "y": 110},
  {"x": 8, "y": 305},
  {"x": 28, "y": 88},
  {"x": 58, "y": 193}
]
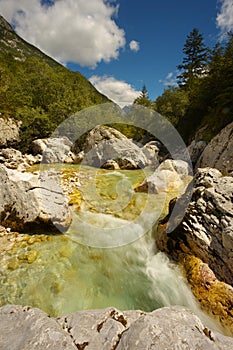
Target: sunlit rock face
[
  {"x": 170, "y": 175},
  {"x": 207, "y": 228},
  {"x": 54, "y": 150},
  {"x": 165, "y": 328},
  {"x": 30, "y": 202},
  {"x": 206, "y": 233},
  {"x": 218, "y": 153},
  {"x": 14, "y": 159},
  {"x": 214, "y": 295},
  {"x": 104, "y": 144}
]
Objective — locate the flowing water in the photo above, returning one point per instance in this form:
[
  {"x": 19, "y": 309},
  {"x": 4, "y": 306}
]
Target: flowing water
[{"x": 107, "y": 258}]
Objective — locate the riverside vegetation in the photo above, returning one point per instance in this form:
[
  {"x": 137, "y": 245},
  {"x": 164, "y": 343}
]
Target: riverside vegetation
[{"x": 65, "y": 272}]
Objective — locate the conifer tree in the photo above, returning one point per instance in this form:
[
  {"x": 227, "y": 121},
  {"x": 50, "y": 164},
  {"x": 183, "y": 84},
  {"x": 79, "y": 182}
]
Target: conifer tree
[
  {"x": 195, "y": 60},
  {"x": 143, "y": 98}
]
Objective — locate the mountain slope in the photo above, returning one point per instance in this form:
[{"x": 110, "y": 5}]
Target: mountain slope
[
  {"x": 37, "y": 90},
  {"x": 11, "y": 43}
]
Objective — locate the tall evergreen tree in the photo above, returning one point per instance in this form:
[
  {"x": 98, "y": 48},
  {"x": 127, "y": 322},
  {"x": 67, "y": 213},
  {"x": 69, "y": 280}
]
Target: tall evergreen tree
[
  {"x": 195, "y": 60},
  {"x": 143, "y": 98}
]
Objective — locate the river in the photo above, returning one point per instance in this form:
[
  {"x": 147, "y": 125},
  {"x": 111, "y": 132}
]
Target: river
[{"x": 107, "y": 257}]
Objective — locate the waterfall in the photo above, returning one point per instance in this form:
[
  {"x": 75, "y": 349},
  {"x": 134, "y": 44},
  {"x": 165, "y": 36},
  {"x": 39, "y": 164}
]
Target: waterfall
[{"x": 105, "y": 259}]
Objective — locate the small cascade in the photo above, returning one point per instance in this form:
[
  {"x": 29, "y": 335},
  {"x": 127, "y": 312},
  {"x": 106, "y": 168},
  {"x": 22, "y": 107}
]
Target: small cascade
[{"x": 107, "y": 258}]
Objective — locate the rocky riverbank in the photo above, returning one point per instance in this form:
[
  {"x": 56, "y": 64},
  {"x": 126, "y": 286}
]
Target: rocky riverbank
[
  {"x": 109, "y": 329},
  {"x": 201, "y": 243}
]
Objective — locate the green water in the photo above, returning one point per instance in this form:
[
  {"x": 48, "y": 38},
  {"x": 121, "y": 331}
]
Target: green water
[
  {"x": 107, "y": 258},
  {"x": 67, "y": 277}
]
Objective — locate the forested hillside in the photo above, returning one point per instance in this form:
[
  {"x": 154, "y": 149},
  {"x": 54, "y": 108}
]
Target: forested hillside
[
  {"x": 37, "y": 90},
  {"x": 201, "y": 103}
]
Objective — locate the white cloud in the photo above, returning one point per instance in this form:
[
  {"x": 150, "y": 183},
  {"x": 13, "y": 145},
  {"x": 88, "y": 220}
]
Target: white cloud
[
  {"x": 170, "y": 79},
  {"x": 225, "y": 17},
  {"x": 78, "y": 31},
  {"x": 134, "y": 45},
  {"x": 117, "y": 90}
]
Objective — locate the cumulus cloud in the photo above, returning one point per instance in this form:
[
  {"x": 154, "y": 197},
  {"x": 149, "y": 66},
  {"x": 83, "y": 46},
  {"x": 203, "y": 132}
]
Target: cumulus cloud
[
  {"x": 170, "y": 79},
  {"x": 134, "y": 45},
  {"x": 225, "y": 17},
  {"x": 117, "y": 90},
  {"x": 79, "y": 31}
]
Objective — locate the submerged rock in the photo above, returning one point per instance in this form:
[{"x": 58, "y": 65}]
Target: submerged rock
[
  {"x": 166, "y": 328},
  {"x": 30, "y": 202},
  {"x": 170, "y": 175}
]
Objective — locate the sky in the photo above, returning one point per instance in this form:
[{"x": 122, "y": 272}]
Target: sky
[{"x": 119, "y": 45}]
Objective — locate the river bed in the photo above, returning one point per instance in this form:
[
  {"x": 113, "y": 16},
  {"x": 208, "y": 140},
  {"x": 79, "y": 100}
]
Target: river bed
[{"x": 107, "y": 257}]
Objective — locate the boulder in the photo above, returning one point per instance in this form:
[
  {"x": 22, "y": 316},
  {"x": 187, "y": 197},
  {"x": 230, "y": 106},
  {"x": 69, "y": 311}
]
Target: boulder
[
  {"x": 30, "y": 202},
  {"x": 31, "y": 329},
  {"x": 218, "y": 153},
  {"x": 11, "y": 157},
  {"x": 195, "y": 150},
  {"x": 214, "y": 296},
  {"x": 104, "y": 144},
  {"x": 111, "y": 165},
  {"x": 205, "y": 233},
  {"x": 206, "y": 230},
  {"x": 170, "y": 175},
  {"x": 151, "y": 151},
  {"x": 98, "y": 329},
  {"x": 9, "y": 132},
  {"x": 54, "y": 149},
  {"x": 14, "y": 159},
  {"x": 171, "y": 328},
  {"x": 166, "y": 328}
]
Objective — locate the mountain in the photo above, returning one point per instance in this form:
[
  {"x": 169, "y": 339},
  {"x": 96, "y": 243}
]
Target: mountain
[
  {"x": 12, "y": 44},
  {"x": 36, "y": 89}
]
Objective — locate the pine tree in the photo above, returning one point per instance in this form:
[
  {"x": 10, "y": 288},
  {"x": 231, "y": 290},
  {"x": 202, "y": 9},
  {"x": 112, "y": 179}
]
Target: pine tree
[
  {"x": 195, "y": 61},
  {"x": 143, "y": 98}
]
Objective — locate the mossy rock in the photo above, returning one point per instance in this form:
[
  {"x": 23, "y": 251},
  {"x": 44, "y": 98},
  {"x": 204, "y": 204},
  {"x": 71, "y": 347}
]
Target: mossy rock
[
  {"x": 215, "y": 297},
  {"x": 29, "y": 256}
]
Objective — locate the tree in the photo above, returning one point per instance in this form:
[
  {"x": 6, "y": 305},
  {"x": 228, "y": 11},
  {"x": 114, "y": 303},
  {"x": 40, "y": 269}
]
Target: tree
[
  {"x": 35, "y": 124},
  {"x": 143, "y": 98},
  {"x": 4, "y": 86},
  {"x": 195, "y": 61},
  {"x": 172, "y": 104}
]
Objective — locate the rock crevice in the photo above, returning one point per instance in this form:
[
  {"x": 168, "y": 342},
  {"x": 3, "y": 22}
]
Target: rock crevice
[{"x": 166, "y": 328}]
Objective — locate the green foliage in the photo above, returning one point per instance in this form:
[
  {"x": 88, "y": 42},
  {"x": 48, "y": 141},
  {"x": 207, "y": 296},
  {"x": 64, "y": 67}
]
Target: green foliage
[
  {"x": 195, "y": 61},
  {"x": 172, "y": 104},
  {"x": 37, "y": 90},
  {"x": 35, "y": 124},
  {"x": 130, "y": 131},
  {"x": 204, "y": 100},
  {"x": 33, "y": 91},
  {"x": 143, "y": 98}
]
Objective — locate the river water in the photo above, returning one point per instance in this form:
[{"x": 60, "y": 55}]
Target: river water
[{"x": 107, "y": 258}]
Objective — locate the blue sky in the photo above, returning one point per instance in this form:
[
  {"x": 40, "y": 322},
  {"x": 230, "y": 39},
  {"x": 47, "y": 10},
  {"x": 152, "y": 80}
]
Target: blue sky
[{"x": 119, "y": 44}]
